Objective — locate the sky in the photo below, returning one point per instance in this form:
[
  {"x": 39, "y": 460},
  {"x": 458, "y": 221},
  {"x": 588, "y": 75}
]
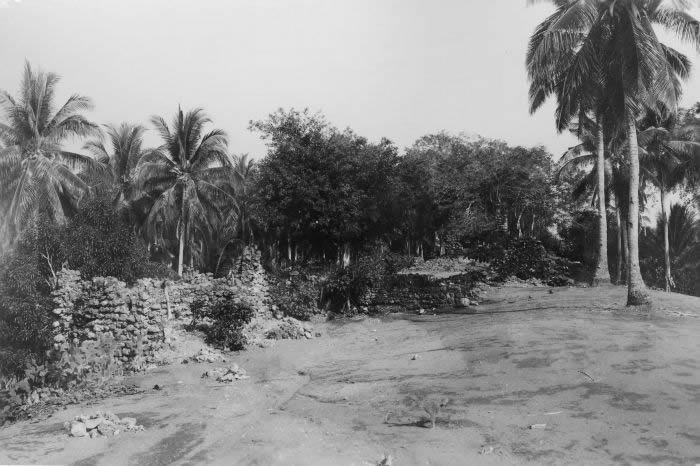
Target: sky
[{"x": 385, "y": 68}]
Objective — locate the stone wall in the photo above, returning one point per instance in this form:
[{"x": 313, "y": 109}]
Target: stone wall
[
  {"x": 137, "y": 316},
  {"x": 423, "y": 291}
]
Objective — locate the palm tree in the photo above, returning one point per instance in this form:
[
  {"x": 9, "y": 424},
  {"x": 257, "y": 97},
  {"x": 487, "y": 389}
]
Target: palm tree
[
  {"x": 591, "y": 151},
  {"x": 126, "y": 143},
  {"x": 677, "y": 233},
  {"x": 242, "y": 174},
  {"x": 580, "y": 91},
  {"x": 186, "y": 178},
  {"x": 667, "y": 161},
  {"x": 616, "y": 37},
  {"x": 35, "y": 171}
]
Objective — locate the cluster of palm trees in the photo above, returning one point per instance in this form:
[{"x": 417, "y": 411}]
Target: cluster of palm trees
[
  {"x": 618, "y": 85},
  {"x": 177, "y": 194}
]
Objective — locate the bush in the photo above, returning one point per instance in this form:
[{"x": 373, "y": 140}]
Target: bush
[
  {"x": 25, "y": 312},
  {"x": 347, "y": 287},
  {"x": 98, "y": 243},
  {"x": 296, "y": 294},
  {"x": 524, "y": 258},
  {"x": 223, "y": 321}
]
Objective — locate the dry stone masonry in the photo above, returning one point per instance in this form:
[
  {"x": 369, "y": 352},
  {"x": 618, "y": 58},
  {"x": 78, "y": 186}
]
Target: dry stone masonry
[{"x": 136, "y": 317}]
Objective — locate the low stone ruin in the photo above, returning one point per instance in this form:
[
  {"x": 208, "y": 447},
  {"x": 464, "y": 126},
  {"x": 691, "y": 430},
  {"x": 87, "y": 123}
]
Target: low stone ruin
[
  {"x": 101, "y": 424},
  {"x": 137, "y": 316}
]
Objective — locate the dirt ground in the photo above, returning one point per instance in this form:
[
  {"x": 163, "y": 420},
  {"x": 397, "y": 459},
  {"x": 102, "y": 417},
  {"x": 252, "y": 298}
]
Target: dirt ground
[{"x": 613, "y": 386}]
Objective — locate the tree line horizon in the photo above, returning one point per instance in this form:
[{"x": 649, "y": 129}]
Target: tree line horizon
[{"x": 329, "y": 195}]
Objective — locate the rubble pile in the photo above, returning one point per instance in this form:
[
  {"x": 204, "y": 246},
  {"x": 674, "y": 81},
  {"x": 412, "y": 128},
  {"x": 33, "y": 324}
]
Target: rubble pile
[{"x": 101, "y": 424}]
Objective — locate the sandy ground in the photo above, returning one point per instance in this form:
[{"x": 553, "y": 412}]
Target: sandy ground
[{"x": 613, "y": 386}]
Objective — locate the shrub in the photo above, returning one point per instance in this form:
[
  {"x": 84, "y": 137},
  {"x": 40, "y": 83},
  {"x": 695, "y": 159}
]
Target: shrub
[
  {"x": 98, "y": 243},
  {"x": 296, "y": 294},
  {"x": 223, "y": 321},
  {"x": 524, "y": 258},
  {"x": 347, "y": 287},
  {"x": 25, "y": 311}
]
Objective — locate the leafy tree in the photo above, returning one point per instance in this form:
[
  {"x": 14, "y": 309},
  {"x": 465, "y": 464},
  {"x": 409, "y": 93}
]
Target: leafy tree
[
  {"x": 186, "y": 179},
  {"x": 322, "y": 192},
  {"x": 35, "y": 171}
]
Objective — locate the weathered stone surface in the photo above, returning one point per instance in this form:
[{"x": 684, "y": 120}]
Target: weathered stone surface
[{"x": 78, "y": 429}]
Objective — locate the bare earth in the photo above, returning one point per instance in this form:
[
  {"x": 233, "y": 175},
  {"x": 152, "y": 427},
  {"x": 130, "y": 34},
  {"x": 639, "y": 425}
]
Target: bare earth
[{"x": 611, "y": 385}]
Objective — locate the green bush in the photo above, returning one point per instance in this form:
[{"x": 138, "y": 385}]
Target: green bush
[{"x": 222, "y": 321}]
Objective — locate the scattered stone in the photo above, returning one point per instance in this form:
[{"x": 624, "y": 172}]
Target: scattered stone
[
  {"x": 414, "y": 357},
  {"x": 538, "y": 426},
  {"x": 101, "y": 424},
  {"x": 386, "y": 460},
  {"x": 226, "y": 374},
  {"x": 78, "y": 429},
  {"x": 156, "y": 387}
]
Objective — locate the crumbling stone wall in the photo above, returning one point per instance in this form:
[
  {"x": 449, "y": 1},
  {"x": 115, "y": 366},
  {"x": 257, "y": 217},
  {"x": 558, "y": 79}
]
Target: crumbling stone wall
[
  {"x": 137, "y": 316},
  {"x": 423, "y": 291}
]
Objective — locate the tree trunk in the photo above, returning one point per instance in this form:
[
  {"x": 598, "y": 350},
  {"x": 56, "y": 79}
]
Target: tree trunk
[
  {"x": 625, "y": 248},
  {"x": 618, "y": 273},
  {"x": 181, "y": 249},
  {"x": 636, "y": 289},
  {"x": 602, "y": 274},
  {"x": 667, "y": 254}
]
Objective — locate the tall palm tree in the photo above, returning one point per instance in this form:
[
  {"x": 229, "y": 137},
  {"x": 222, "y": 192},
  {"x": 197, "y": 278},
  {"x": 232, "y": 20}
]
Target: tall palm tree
[
  {"x": 126, "y": 144},
  {"x": 35, "y": 171},
  {"x": 580, "y": 91},
  {"x": 618, "y": 38},
  {"x": 186, "y": 178}
]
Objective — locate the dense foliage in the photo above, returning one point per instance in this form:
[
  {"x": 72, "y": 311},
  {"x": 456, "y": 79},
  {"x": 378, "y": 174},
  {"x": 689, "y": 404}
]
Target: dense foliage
[{"x": 222, "y": 321}]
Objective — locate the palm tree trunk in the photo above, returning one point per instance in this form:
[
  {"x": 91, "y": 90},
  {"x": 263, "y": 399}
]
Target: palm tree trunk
[
  {"x": 636, "y": 289},
  {"x": 602, "y": 274},
  {"x": 620, "y": 253},
  {"x": 181, "y": 249},
  {"x": 625, "y": 248},
  {"x": 667, "y": 255}
]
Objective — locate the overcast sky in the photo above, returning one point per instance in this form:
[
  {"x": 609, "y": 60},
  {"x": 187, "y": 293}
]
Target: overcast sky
[{"x": 386, "y": 68}]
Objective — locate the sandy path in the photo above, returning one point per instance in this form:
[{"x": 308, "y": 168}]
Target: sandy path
[{"x": 611, "y": 387}]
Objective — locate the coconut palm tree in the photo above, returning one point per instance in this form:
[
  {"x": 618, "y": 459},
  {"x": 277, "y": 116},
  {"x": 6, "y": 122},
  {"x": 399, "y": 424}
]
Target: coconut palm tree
[
  {"x": 126, "y": 144},
  {"x": 580, "y": 92},
  {"x": 35, "y": 170},
  {"x": 187, "y": 178},
  {"x": 617, "y": 38},
  {"x": 667, "y": 160},
  {"x": 677, "y": 233}
]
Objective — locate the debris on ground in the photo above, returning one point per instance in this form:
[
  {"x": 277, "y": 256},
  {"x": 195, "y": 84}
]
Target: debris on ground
[
  {"x": 289, "y": 329},
  {"x": 386, "y": 460},
  {"x": 101, "y": 424},
  {"x": 414, "y": 357},
  {"x": 538, "y": 426},
  {"x": 226, "y": 374},
  {"x": 206, "y": 355}
]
